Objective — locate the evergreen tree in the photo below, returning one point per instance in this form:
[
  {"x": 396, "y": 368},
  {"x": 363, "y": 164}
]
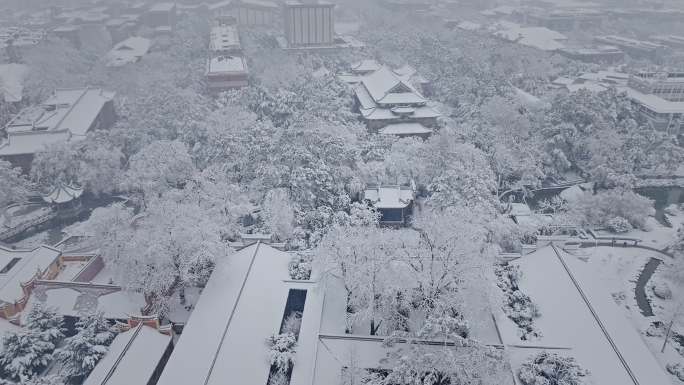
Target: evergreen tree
[
  {"x": 84, "y": 350},
  {"x": 46, "y": 323},
  {"x": 24, "y": 354}
]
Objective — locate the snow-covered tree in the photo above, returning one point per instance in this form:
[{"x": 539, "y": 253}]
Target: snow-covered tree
[
  {"x": 549, "y": 368},
  {"x": 157, "y": 168},
  {"x": 24, "y": 354},
  {"x": 172, "y": 244},
  {"x": 81, "y": 352},
  {"x": 600, "y": 208},
  {"x": 14, "y": 186},
  {"x": 27, "y": 352},
  {"x": 279, "y": 214},
  {"x": 361, "y": 257},
  {"x": 92, "y": 163},
  {"x": 450, "y": 245},
  {"x": 46, "y": 322},
  {"x": 448, "y": 359}
]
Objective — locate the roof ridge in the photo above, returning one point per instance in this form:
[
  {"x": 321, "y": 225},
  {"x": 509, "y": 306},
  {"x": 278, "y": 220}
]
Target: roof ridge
[{"x": 232, "y": 313}]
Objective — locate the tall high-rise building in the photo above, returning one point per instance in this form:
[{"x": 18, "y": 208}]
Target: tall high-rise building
[{"x": 309, "y": 23}]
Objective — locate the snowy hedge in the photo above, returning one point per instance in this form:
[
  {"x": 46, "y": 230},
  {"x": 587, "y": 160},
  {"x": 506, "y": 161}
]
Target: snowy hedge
[
  {"x": 548, "y": 369},
  {"x": 618, "y": 225},
  {"x": 282, "y": 351},
  {"x": 518, "y": 306},
  {"x": 300, "y": 267}
]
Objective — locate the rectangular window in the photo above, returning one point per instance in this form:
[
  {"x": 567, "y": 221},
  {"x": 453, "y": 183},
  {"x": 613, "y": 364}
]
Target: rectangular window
[
  {"x": 296, "y": 299},
  {"x": 10, "y": 265}
]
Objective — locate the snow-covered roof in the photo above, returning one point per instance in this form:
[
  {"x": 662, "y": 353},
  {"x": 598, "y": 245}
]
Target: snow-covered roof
[
  {"x": 132, "y": 358},
  {"x": 593, "y": 87},
  {"x": 385, "y": 87},
  {"x": 12, "y": 81},
  {"x": 20, "y": 266},
  {"x": 365, "y": 66},
  {"x": 572, "y": 194},
  {"x": 162, "y": 7},
  {"x": 389, "y": 197},
  {"x": 405, "y": 129},
  {"x": 654, "y": 102},
  {"x": 67, "y": 115},
  {"x": 579, "y": 315},
  {"x": 128, "y": 51},
  {"x": 520, "y": 209},
  {"x": 469, "y": 26},
  {"x": 222, "y": 64},
  {"x": 538, "y": 37},
  {"x": 628, "y": 42},
  {"x": 63, "y": 193},
  {"x": 76, "y": 298},
  {"x": 257, "y": 3},
  {"x": 241, "y": 306}
]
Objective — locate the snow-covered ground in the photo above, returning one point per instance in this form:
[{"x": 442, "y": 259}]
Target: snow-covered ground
[
  {"x": 591, "y": 334},
  {"x": 658, "y": 235},
  {"x": 70, "y": 270},
  {"x": 619, "y": 268}
]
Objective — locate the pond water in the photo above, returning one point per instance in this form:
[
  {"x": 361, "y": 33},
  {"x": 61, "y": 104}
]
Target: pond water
[
  {"x": 51, "y": 232},
  {"x": 640, "y": 289},
  {"x": 663, "y": 197}
]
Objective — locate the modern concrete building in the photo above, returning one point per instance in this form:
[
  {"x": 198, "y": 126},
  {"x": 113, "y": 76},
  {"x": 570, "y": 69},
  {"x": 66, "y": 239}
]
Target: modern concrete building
[
  {"x": 309, "y": 23},
  {"x": 161, "y": 17},
  {"x": 563, "y": 20},
  {"x": 659, "y": 97},
  {"x": 248, "y": 12},
  {"x": 226, "y": 73},
  {"x": 226, "y": 66},
  {"x": 633, "y": 47},
  {"x": 596, "y": 54}
]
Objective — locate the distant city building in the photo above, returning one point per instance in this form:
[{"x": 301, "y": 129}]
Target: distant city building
[
  {"x": 123, "y": 26},
  {"x": 672, "y": 41},
  {"x": 226, "y": 72},
  {"x": 633, "y": 47},
  {"x": 596, "y": 54},
  {"x": 248, "y": 12},
  {"x": 224, "y": 40},
  {"x": 592, "y": 81},
  {"x": 659, "y": 97},
  {"x": 226, "y": 67},
  {"x": 68, "y": 115},
  {"x": 563, "y": 20},
  {"x": 406, "y": 5},
  {"x": 128, "y": 51},
  {"x": 161, "y": 17},
  {"x": 309, "y": 23},
  {"x": 537, "y": 37},
  {"x": 20, "y": 36}
]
